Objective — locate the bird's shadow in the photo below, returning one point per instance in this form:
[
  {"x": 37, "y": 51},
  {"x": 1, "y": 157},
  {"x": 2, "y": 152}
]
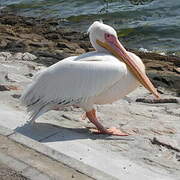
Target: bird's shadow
[{"x": 45, "y": 132}]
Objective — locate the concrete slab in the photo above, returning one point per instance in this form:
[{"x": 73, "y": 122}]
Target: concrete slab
[
  {"x": 62, "y": 157},
  {"x": 12, "y": 162},
  {"x": 33, "y": 174},
  {"x": 16, "y": 120},
  {"x": 34, "y": 165},
  {"x": 92, "y": 154},
  {"x": 10, "y": 117},
  {"x": 5, "y": 131}
]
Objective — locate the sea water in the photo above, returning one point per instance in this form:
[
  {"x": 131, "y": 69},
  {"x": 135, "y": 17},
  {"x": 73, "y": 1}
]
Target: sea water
[{"x": 152, "y": 25}]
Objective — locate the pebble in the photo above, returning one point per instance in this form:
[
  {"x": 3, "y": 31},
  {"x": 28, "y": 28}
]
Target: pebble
[
  {"x": 28, "y": 56},
  {"x": 5, "y": 56}
]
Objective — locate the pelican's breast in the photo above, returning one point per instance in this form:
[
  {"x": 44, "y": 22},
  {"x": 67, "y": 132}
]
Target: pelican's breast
[
  {"x": 118, "y": 90},
  {"x": 122, "y": 87}
]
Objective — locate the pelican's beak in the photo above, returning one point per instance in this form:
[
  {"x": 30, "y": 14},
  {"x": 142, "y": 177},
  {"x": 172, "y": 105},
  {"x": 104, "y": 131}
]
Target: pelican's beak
[{"x": 117, "y": 49}]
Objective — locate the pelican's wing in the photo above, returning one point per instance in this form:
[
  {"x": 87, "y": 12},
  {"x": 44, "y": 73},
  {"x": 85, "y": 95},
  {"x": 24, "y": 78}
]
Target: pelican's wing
[{"x": 70, "y": 81}]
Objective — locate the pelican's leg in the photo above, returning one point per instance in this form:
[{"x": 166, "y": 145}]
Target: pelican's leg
[
  {"x": 91, "y": 115},
  {"x": 83, "y": 116},
  {"x": 56, "y": 108}
]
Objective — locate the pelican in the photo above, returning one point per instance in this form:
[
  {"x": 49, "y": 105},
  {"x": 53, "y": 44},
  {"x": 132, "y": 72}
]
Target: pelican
[{"x": 99, "y": 77}]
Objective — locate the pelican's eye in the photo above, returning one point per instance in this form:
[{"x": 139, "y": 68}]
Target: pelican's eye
[{"x": 109, "y": 37}]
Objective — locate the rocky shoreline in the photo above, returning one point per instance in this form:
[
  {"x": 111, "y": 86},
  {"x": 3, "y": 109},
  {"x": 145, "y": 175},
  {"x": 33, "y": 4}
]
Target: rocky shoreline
[{"x": 50, "y": 42}]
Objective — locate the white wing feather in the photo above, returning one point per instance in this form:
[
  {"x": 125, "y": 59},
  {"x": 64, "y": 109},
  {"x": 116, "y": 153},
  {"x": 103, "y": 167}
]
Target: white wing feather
[{"x": 73, "y": 79}]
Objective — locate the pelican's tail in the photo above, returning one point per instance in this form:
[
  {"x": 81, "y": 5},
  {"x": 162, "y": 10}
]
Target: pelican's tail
[
  {"x": 34, "y": 113},
  {"x": 33, "y": 102}
]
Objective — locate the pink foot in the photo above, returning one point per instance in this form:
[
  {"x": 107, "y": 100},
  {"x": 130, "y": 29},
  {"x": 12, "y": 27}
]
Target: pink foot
[
  {"x": 56, "y": 108},
  {"x": 111, "y": 131}
]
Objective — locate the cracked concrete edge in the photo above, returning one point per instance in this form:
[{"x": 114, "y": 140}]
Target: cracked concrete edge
[
  {"x": 55, "y": 155},
  {"x": 25, "y": 169}
]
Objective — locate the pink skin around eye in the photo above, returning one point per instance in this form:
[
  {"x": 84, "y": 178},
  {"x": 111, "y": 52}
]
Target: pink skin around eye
[
  {"x": 110, "y": 38},
  {"x": 113, "y": 41}
]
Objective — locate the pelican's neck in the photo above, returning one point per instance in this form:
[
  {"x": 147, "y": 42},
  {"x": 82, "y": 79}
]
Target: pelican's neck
[
  {"x": 95, "y": 45},
  {"x": 99, "y": 48}
]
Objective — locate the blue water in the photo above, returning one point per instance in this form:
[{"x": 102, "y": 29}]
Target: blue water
[{"x": 141, "y": 24}]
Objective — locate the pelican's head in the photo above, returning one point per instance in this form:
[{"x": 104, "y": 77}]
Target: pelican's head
[
  {"x": 98, "y": 31},
  {"x": 104, "y": 38}
]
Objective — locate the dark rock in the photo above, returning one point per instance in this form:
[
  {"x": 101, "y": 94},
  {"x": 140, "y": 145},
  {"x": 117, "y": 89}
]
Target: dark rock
[
  {"x": 37, "y": 44},
  {"x": 155, "y": 56},
  {"x": 177, "y": 63},
  {"x": 178, "y": 93},
  {"x": 48, "y": 58},
  {"x": 71, "y": 46},
  {"x": 158, "y": 68},
  {"x": 9, "y": 20},
  {"x": 85, "y": 45},
  {"x": 156, "y": 101},
  {"x": 16, "y": 96},
  {"x": 165, "y": 143},
  {"x": 4, "y": 88},
  {"x": 29, "y": 75},
  {"x": 53, "y": 23},
  {"x": 168, "y": 80},
  {"x": 52, "y": 36},
  {"x": 15, "y": 46},
  {"x": 160, "y": 91}
]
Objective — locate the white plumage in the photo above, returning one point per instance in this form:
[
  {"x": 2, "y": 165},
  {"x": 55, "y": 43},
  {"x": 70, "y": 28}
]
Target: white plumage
[{"x": 91, "y": 78}]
